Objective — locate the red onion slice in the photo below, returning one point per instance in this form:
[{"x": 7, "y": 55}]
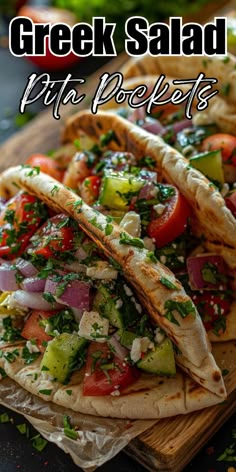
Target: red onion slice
[
  {"x": 153, "y": 126},
  {"x": 76, "y": 293},
  {"x": 35, "y": 301},
  {"x": 8, "y": 281},
  {"x": 196, "y": 267},
  {"x": 148, "y": 191},
  {"x": 138, "y": 114},
  {"x": 120, "y": 351},
  {"x": 33, "y": 284},
  {"x": 26, "y": 268}
]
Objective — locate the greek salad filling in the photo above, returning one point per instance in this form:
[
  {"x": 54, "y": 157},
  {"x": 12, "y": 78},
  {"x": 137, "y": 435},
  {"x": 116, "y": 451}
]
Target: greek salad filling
[
  {"x": 155, "y": 214},
  {"x": 64, "y": 301}
]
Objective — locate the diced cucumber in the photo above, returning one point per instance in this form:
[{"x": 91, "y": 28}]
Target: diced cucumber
[
  {"x": 127, "y": 338},
  {"x": 62, "y": 354},
  {"x": 118, "y": 188},
  {"x": 210, "y": 164},
  {"x": 115, "y": 305},
  {"x": 160, "y": 361}
]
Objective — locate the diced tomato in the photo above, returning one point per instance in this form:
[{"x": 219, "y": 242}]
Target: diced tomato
[
  {"x": 212, "y": 307},
  {"x": 172, "y": 222},
  {"x": 40, "y": 14},
  {"x": 33, "y": 330},
  {"x": 54, "y": 238},
  {"x": 89, "y": 189},
  {"x": 101, "y": 380},
  {"x": 19, "y": 220},
  {"x": 225, "y": 142},
  {"x": 47, "y": 165}
]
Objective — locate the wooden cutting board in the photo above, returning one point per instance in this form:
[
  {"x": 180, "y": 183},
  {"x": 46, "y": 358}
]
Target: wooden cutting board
[{"x": 172, "y": 442}]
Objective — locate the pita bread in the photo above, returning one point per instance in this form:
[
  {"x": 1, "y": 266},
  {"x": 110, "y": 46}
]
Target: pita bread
[
  {"x": 188, "y": 67},
  {"x": 212, "y": 218},
  {"x": 189, "y": 335},
  {"x": 151, "y": 397}
]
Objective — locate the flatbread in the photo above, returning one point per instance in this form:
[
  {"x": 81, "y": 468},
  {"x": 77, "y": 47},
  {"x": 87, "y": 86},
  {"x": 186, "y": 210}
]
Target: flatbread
[
  {"x": 189, "y": 336},
  {"x": 212, "y": 218},
  {"x": 151, "y": 397},
  {"x": 188, "y": 67}
]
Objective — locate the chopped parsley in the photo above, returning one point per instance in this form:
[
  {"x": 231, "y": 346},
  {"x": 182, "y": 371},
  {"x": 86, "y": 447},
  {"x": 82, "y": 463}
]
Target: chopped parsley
[
  {"x": 39, "y": 443},
  {"x": 33, "y": 170},
  {"x": 168, "y": 283},
  {"x": 105, "y": 139},
  {"x": 4, "y": 418},
  {"x": 3, "y": 374},
  {"x": 49, "y": 297},
  {"x": 182, "y": 308},
  {"x": 151, "y": 257},
  {"x": 229, "y": 454},
  {"x": 69, "y": 392},
  {"x": 68, "y": 430},
  {"x": 225, "y": 89},
  {"x": 147, "y": 161},
  {"x": 45, "y": 391},
  {"x": 108, "y": 229},
  {"x": 126, "y": 239},
  {"x": 11, "y": 334},
  {"x": 211, "y": 274},
  {"x": 55, "y": 190},
  {"x": 94, "y": 222},
  {"x": 225, "y": 372},
  {"x": 28, "y": 356}
]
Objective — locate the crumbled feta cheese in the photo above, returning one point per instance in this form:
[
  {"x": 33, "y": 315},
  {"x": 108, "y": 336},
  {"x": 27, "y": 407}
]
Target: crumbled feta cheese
[
  {"x": 180, "y": 258},
  {"x": 115, "y": 393},
  {"x": 102, "y": 270},
  {"x": 225, "y": 189},
  {"x": 159, "y": 336},
  {"x": 32, "y": 347},
  {"x": 149, "y": 244},
  {"x": 93, "y": 326},
  {"x": 132, "y": 224},
  {"x": 140, "y": 345},
  {"x": 159, "y": 208},
  {"x": 127, "y": 290},
  {"x": 119, "y": 303},
  {"x": 163, "y": 259}
]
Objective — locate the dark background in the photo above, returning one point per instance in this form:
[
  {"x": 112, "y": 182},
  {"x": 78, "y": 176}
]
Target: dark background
[{"x": 16, "y": 451}]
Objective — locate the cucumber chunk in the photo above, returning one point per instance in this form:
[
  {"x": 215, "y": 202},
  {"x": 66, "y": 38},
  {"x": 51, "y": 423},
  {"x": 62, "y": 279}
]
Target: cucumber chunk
[
  {"x": 118, "y": 189},
  {"x": 119, "y": 309},
  {"x": 160, "y": 361},
  {"x": 62, "y": 354},
  {"x": 127, "y": 338},
  {"x": 210, "y": 164}
]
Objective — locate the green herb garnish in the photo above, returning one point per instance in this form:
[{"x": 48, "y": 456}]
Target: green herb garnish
[
  {"x": 168, "y": 283},
  {"x": 126, "y": 239}
]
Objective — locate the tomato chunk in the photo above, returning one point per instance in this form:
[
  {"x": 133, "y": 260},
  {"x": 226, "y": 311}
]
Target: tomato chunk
[
  {"x": 213, "y": 308},
  {"x": 172, "y": 222},
  {"x": 105, "y": 373},
  {"x": 19, "y": 220},
  {"x": 54, "y": 238},
  {"x": 224, "y": 142},
  {"x": 46, "y": 165},
  {"x": 33, "y": 330},
  {"x": 89, "y": 189}
]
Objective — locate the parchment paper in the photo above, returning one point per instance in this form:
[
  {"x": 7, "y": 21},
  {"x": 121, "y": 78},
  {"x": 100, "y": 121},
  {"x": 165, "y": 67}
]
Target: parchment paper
[{"x": 99, "y": 440}]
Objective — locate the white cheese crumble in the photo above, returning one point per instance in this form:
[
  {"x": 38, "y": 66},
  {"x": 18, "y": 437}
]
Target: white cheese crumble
[
  {"x": 131, "y": 223},
  {"x": 163, "y": 259},
  {"x": 225, "y": 189},
  {"x": 102, "y": 270},
  {"x": 32, "y": 347},
  {"x": 140, "y": 345},
  {"x": 115, "y": 393},
  {"x": 159, "y": 208},
  {"x": 127, "y": 290},
  {"x": 119, "y": 303},
  {"x": 93, "y": 327},
  {"x": 149, "y": 244},
  {"x": 159, "y": 336}
]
